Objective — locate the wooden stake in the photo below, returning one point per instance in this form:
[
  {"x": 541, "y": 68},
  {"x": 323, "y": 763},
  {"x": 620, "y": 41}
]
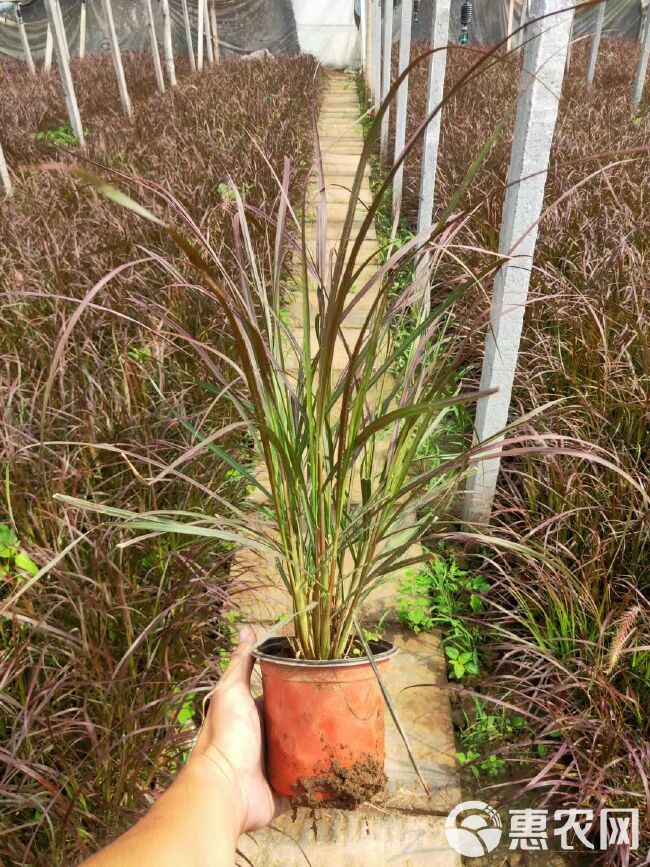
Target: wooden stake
[
  {"x": 200, "y": 34},
  {"x": 386, "y": 76},
  {"x": 375, "y": 54},
  {"x": 214, "y": 26},
  {"x": 27, "y": 51},
  {"x": 167, "y": 42},
  {"x": 540, "y": 87},
  {"x": 595, "y": 44},
  {"x": 4, "y": 175},
  {"x": 157, "y": 65},
  {"x": 435, "y": 89},
  {"x": 82, "y": 30},
  {"x": 55, "y": 22},
  {"x": 117, "y": 59},
  {"x": 188, "y": 36},
  {"x": 402, "y": 104},
  {"x": 47, "y": 62},
  {"x": 209, "y": 49},
  {"x": 642, "y": 66}
]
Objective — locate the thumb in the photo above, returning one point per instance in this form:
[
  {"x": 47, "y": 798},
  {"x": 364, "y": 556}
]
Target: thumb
[{"x": 242, "y": 661}]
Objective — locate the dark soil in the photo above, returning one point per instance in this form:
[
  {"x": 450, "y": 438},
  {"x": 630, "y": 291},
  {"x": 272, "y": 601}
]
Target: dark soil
[
  {"x": 344, "y": 788},
  {"x": 283, "y": 648}
]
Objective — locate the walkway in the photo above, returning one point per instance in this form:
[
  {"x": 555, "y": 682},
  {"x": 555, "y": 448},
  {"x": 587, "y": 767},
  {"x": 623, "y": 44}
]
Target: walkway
[{"x": 407, "y": 828}]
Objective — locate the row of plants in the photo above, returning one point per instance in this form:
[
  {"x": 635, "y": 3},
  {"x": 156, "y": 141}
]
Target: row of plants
[
  {"x": 559, "y": 632},
  {"x": 105, "y": 657}
]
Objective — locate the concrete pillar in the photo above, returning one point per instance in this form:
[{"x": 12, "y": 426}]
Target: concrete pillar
[
  {"x": 47, "y": 61},
  {"x": 167, "y": 43},
  {"x": 65, "y": 45},
  {"x": 200, "y": 34},
  {"x": 117, "y": 59},
  {"x": 55, "y": 23},
  {"x": 386, "y": 76},
  {"x": 375, "y": 34},
  {"x": 157, "y": 65},
  {"x": 595, "y": 44},
  {"x": 510, "y": 24},
  {"x": 363, "y": 26},
  {"x": 523, "y": 17},
  {"x": 544, "y": 60},
  {"x": 24, "y": 41},
  {"x": 214, "y": 26},
  {"x": 435, "y": 91},
  {"x": 188, "y": 36},
  {"x": 209, "y": 48},
  {"x": 402, "y": 103},
  {"x": 4, "y": 175},
  {"x": 642, "y": 67},
  {"x": 82, "y": 30}
]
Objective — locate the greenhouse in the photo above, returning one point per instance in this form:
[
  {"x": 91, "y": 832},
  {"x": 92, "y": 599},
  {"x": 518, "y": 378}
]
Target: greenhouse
[{"x": 324, "y": 433}]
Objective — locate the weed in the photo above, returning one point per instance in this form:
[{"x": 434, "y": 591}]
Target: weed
[{"x": 62, "y": 136}]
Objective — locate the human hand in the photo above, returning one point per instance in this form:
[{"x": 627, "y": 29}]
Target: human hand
[{"x": 231, "y": 741}]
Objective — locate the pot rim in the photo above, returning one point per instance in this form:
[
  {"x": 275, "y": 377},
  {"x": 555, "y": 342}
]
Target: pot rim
[{"x": 382, "y": 650}]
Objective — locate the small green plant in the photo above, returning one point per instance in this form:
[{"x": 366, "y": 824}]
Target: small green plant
[
  {"x": 482, "y": 730},
  {"x": 438, "y": 594},
  {"x": 442, "y": 595},
  {"x": 227, "y": 194},
  {"x": 375, "y": 634},
  {"x": 463, "y": 662},
  {"x": 491, "y": 765},
  {"x": 139, "y": 353},
  {"x": 62, "y": 136},
  {"x": 12, "y": 557}
]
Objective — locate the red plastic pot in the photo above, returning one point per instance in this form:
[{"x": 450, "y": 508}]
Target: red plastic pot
[{"x": 324, "y": 720}]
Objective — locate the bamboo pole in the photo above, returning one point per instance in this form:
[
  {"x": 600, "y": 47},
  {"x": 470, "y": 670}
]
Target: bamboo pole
[
  {"x": 402, "y": 104},
  {"x": 188, "y": 36},
  {"x": 167, "y": 43},
  {"x": 117, "y": 59},
  {"x": 214, "y": 26},
  {"x": 4, "y": 175},
  {"x": 82, "y": 30},
  {"x": 47, "y": 62},
  {"x": 200, "y": 34},
  {"x": 157, "y": 65},
  {"x": 209, "y": 48},
  {"x": 386, "y": 77},
  {"x": 27, "y": 51},
  {"x": 55, "y": 22}
]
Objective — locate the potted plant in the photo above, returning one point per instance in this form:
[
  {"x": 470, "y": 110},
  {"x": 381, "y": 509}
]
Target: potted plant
[{"x": 340, "y": 418}]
